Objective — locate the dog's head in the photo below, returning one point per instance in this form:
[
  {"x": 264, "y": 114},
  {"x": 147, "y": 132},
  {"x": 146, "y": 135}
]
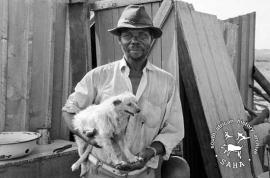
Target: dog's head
[{"x": 126, "y": 103}]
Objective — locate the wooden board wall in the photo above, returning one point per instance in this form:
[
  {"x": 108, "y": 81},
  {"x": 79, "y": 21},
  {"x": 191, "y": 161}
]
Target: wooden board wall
[
  {"x": 29, "y": 62},
  {"x": 211, "y": 88},
  {"x": 244, "y": 46},
  {"x": 32, "y": 56}
]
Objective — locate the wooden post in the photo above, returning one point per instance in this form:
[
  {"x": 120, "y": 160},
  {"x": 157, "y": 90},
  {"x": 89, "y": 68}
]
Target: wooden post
[
  {"x": 3, "y": 60},
  {"x": 77, "y": 50},
  {"x": 40, "y": 110},
  {"x": 59, "y": 67},
  {"x": 79, "y": 39},
  {"x": 64, "y": 131}
]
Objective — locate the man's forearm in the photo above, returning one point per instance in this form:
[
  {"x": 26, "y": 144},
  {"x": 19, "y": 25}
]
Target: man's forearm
[
  {"x": 68, "y": 117},
  {"x": 160, "y": 149},
  {"x": 156, "y": 148}
]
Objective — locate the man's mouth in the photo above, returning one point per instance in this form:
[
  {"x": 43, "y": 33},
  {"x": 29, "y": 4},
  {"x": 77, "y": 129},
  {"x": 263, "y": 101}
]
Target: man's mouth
[
  {"x": 130, "y": 113},
  {"x": 135, "y": 48}
]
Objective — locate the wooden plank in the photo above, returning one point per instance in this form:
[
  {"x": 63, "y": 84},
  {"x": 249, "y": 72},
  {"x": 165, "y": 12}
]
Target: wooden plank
[
  {"x": 87, "y": 25},
  {"x": 227, "y": 88},
  {"x": 19, "y": 60},
  {"x": 67, "y": 77},
  {"x": 117, "y": 49},
  {"x": 105, "y": 39},
  {"x": 148, "y": 9},
  {"x": 158, "y": 21},
  {"x": 230, "y": 34},
  {"x": 244, "y": 58},
  {"x": 57, "y": 167},
  {"x": 78, "y": 46},
  {"x": 106, "y": 4},
  {"x": 246, "y": 46},
  {"x": 29, "y": 55},
  {"x": 255, "y": 164},
  {"x": 185, "y": 66},
  {"x": 169, "y": 47},
  {"x": 3, "y": 60},
  {"x": 251, "y": 54},
  {"x": 162, "y": 13},
  {"x": 211, "y": 89},
  {"x": 237, "y": 63},
  {"x": 155, "y": 53},
  {"x": 43, "y": 163},
  {"x": 77, "y": 53},
  {"x": 42, "y": 70},
  {"x": 58, "y": 68},
  {"x": 210, "y": 84},
  {"x": 98, "y": 36}
]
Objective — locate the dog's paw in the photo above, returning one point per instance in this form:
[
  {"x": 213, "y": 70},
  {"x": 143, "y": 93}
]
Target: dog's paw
[
  {"x": 84, "y": 169},
  {"x": 75, "y": 166}
]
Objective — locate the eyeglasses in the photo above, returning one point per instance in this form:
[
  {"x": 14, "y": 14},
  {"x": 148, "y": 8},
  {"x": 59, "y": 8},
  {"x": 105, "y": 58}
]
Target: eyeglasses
[{"x": 139, "y": 35}]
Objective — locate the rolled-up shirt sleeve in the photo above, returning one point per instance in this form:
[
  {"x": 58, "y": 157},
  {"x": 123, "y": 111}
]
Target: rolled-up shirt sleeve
[
  {"x": 172, "y": 131},
  {"x": 83, "y": 95}
]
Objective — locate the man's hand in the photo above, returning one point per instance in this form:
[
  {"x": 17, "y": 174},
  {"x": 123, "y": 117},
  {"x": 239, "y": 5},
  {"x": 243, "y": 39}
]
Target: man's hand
[
  {"x": 144, "y": 156},
  {"x": 157, "y": 149}
]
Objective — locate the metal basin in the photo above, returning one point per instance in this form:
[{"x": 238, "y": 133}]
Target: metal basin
[{"x": 17, "y": 144}]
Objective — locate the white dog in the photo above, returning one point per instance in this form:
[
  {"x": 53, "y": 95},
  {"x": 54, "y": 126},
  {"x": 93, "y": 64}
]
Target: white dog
[{"x": 108, "y": 122}]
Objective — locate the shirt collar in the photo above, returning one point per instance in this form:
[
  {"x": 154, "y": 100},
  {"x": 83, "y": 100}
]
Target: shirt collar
[{"x": 123, "y": 65}]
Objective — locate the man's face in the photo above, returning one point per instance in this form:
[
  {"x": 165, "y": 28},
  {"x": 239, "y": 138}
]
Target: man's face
[{"x": 135, "y": 43}]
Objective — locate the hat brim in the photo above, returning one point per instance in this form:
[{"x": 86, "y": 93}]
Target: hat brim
[{"x": 155, "y": 31}]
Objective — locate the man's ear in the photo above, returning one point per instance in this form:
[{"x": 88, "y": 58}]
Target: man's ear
[{"x": 117, "y": 102}]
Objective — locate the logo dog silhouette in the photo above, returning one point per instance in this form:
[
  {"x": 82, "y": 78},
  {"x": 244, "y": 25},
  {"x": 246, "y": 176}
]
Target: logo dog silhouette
[{"x": 232, "y": 148}]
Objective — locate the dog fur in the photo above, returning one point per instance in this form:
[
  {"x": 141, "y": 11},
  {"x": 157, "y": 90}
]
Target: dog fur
[{"x": 109, "y": 120}]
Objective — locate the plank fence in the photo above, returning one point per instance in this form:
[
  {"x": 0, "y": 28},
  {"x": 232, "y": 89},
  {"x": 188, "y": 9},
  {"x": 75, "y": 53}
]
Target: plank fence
[{"x": 32, "y": 60}]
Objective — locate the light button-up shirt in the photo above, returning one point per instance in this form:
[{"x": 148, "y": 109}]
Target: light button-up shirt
[{"x": 157, "y": 95}]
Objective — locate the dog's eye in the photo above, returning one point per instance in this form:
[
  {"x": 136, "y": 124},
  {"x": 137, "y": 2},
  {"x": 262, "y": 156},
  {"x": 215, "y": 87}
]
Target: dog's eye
[{"x": 129, "y": 104}]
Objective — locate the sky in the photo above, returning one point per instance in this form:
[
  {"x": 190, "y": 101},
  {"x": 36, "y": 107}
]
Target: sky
[{"x": 225, "y": 9}]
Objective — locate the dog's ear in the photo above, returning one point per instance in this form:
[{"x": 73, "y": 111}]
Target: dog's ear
[{"x": 117, "y": 102}]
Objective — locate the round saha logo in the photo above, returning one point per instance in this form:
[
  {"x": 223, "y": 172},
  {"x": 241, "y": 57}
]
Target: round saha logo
[{"x": 229, "y": 149}]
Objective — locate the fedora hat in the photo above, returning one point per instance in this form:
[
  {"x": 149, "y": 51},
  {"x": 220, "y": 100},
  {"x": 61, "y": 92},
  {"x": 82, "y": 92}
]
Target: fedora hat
[{"x": 135, "y": 17}]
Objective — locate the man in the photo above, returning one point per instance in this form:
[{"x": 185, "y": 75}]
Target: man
[{"x": 154, "y": 88}]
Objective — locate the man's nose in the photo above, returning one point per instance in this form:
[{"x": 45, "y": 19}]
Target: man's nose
[{"x": 134, "y": 39}]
